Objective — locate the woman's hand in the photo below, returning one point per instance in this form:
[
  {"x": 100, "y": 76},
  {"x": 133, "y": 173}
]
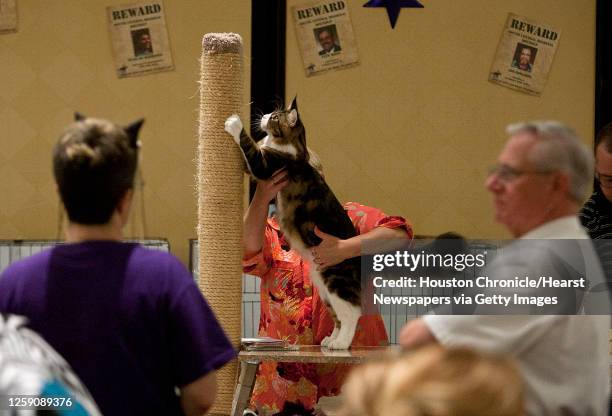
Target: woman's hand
[
  {"x": 333, "y": 250},
  {"x": 267, "y": 189},
  {"x": 330, "y": 251},
  {"x": 256, "y": 215}
]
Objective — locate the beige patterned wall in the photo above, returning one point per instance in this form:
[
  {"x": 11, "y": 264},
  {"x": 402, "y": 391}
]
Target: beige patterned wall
[
  {"x": 413, "y": 128},
  {"x": 60, "y": 61}
]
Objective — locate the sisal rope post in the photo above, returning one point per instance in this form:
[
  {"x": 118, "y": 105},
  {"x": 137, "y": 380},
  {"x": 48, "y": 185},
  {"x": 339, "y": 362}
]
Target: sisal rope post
[{"x": 220, "y": 195}]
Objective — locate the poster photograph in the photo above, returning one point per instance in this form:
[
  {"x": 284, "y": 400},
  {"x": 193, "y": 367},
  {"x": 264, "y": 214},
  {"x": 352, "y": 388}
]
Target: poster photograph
[
  {"x": 139, "y": 39},
  {"x": 8, "y": 16},
  {"x": 325, "y": 36},
  {"x": 524, "y": 55}
]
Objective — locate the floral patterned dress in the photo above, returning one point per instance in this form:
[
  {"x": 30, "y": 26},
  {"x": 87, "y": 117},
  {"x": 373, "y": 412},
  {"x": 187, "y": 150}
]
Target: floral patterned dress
[{"x": 291, "y": 309}]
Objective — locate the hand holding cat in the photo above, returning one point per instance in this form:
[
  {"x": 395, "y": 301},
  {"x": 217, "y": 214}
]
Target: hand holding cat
[
  {"x": 267, "y": 190},
  {"x": 330, "y": 251}
]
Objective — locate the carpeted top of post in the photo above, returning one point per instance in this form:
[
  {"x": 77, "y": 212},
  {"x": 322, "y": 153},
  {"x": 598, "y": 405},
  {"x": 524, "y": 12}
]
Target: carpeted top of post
[{"x": 214, "y": 43}]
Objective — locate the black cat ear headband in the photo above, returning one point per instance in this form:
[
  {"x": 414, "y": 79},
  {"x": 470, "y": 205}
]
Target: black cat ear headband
[{"x": 131, "y": 130}]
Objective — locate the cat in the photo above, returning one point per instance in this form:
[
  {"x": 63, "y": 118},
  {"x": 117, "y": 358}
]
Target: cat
[{"x": 305, "y": 202}]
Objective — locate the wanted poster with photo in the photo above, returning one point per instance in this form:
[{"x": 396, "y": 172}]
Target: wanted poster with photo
[
  {"x": 139, "y": 39},
  {"x": 8, "y": 16},
  {"x": 524, "y": 55},
  {"x": 325, "y": 36}
]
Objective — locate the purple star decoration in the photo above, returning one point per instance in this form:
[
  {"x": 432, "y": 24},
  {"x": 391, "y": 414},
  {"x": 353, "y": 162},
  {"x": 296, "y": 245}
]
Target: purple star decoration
[{"x": 393, "y": 7}]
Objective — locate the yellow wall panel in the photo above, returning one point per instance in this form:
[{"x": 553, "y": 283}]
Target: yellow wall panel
[
  {"x": 414, "y": 127},
  {"x": 60, "y": 61}
]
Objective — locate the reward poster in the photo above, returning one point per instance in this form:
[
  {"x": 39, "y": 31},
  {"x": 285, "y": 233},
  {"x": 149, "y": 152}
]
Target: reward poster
[
  {"x": 139, "y": 39},
  {"x": 325, "y": 36},
  {"x": 524, "y": 55},
  {"x": 8, "y": 16}
]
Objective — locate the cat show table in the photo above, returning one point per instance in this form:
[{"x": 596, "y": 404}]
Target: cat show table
[{"x": 249, "y": 360}]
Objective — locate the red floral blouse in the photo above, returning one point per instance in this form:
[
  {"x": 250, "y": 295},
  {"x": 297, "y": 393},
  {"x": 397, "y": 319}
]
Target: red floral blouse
[{"x": 291, "y": 309}]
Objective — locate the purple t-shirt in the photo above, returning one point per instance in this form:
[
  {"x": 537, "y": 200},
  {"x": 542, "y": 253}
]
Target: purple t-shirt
[{"x": 130, "y": 321}]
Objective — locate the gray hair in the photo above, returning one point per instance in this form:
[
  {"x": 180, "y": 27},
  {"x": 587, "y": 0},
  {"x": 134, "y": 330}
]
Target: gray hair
[{"x": 559, "y": 148}]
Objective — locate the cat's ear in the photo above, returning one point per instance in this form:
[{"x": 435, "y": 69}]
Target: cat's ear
[
  {"x": 293, "y": 112},
  {"x": 132, "y": 132},
  {"x": 292, "y": 118},
  {"x": 78, "y": 116}
]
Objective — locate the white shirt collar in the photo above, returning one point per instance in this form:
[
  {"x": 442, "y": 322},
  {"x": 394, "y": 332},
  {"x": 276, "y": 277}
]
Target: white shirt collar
[{"x": 564, "y": 227}]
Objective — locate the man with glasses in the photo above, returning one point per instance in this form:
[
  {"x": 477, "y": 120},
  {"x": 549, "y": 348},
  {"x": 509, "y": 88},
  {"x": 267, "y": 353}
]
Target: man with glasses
[
  {"x": 596, "y": 214},
  {"x": 328, "y": 42},
  {"x": 538, "y": 184}
]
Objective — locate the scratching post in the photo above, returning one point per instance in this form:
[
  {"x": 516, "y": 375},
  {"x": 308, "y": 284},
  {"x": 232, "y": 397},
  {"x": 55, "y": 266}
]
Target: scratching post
[{"x": 220, "y": 195}]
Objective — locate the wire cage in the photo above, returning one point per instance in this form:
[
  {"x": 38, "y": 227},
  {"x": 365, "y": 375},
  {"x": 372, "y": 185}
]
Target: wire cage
[
  {"x": 394, "y": 315},
  {"x": 13, "y": 250}
]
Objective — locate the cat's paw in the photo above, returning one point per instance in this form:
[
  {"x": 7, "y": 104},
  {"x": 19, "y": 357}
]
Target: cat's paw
[
  {"x": 326, "y": 341},
  {"x": 338, "y": 344},
  {"x": 233, "y": 126}
]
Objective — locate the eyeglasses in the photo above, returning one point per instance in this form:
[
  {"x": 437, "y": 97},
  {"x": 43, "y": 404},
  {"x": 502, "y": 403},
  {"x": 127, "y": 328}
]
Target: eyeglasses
[
  {"x": 507, "y": 173},
  {"x": 604, "y": 180}
]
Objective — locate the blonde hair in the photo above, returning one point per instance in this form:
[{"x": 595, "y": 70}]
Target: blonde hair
[{"x": 435, "y": 381}]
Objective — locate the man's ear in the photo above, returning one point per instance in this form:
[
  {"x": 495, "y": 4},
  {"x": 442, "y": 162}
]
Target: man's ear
[
  {"x": 561, "y": 183},
  {"x": 124, "y": 206}
]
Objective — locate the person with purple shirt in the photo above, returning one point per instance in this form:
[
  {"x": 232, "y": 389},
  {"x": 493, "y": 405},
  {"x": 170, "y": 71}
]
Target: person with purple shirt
[{"x": 130, "y": 321}]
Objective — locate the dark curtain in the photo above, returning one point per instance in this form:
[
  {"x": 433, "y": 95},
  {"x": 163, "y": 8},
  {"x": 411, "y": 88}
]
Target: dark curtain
[
  {"x": 603, "y": 68},
  {"x": 267, "y": 60}
]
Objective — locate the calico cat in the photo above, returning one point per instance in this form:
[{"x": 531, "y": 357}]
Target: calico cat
[{"x": 305, "y": 202}]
